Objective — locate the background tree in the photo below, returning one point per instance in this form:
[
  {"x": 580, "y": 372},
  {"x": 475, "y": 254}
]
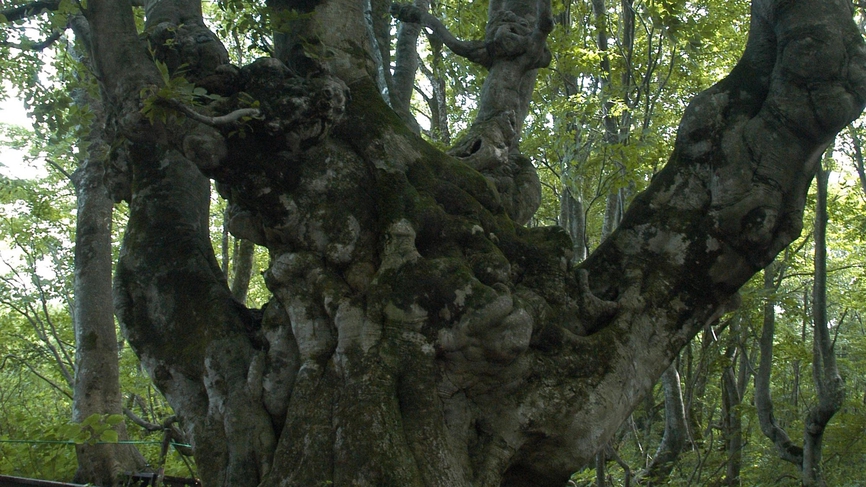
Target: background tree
[{"x": 62, "y": 294}]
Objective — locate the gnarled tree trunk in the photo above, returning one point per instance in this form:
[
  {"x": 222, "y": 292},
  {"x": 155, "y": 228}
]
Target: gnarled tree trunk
[{"x": 417, "y": 336}]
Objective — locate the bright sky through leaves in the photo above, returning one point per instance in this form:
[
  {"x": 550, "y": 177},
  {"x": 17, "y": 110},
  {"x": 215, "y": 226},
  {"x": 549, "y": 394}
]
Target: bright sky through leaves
[
  {"x": 12, "y": 163},
  {"x": 12, "y": 112}
]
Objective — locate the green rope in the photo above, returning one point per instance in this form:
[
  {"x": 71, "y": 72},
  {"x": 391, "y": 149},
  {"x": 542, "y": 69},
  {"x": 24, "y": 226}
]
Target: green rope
[{"x": 70, "y": 442}]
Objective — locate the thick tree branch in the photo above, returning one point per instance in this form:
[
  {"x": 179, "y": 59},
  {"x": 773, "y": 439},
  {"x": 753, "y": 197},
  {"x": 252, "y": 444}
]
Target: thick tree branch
[
  {"x": 475, "y": 51},
  {"x": 732, "y": 195},
  {"x": 544, "y": 24},
  {"x": 123, "y": 66}
]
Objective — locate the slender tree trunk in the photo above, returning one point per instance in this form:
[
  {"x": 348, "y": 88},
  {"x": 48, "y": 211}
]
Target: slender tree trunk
[
  {"x": 805, "y": 324},
  {"x": 601, "y": 468},
  {"x": 795, "y": 384},
  {"x": 859, "y": 164},
  {"x": 697, "y": 385},
  {"x": 613, "y": 210},
  {"x": 676, "y": 432},
  {"x": 243, "y": 269},
  {"x": 733, "y": 377},
  {"x": 612, "y": 214},
  {"x": 788, "y": 451},
  {"x": 572, "y": 216},
  {"x": 379, "y": 30},
  {"x": 828, "y": 383},
  {"x": 96, "y": 389},
  {"x": 616, "y": 129},
  {"x": 405, "y": 68},
  {"x": 440, "y": 97},
  {"x": 573, "y": 220},
  {"x": 97, "y": 377},
  {"x": 225, "y": 251}
]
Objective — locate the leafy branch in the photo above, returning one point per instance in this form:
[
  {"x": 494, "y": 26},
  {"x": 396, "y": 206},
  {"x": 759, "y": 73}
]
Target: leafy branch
[
  {"x": 22, "y": 12},
  {"x": 180, "y": 95},
  {"x": 96, "y": 428}
]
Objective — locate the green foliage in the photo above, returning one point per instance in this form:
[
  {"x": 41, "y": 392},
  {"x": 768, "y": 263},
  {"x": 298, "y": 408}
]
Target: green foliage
[
  {"x": 96, "y": 428},
  {"x": 678, "y": 49},
  {"x": 161, "y": 104},
  {"x": 244, "y": 27},
  {"x": 44, "y": 455}
]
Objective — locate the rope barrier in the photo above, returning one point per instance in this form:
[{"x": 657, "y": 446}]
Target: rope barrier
[{"x": 120, "y": 442}]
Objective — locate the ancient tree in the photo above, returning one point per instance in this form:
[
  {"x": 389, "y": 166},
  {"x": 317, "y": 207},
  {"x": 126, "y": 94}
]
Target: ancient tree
[{"x": 418, "y": 335}]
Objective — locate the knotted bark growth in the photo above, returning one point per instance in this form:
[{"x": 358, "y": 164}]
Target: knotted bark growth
[{"x": 416, "y": 335}]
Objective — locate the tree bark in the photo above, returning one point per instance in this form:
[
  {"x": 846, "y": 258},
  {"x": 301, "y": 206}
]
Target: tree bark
[
  {"x": 438, "y": 102},
  {"x": 573, "y": 220},
  {"x": 513, "y": 50},
  {"x": 379, "y": 23},
  {"x": 96, "y": 390},
  {"x": 616, "y": 128},
  {"x": 859, "y": 164},
  {"x": 417, "y": 336},
  {"x": 243, "y": 270},
  {"x": 600, "y": 464},
  {"x": 697, "y": 385},
  {"x": 572, "y": 216}
]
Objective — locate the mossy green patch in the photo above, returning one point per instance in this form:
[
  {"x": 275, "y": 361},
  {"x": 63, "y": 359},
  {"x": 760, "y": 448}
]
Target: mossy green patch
[
  {"x": 368, "y": 117},
  {"x": 431, "y": 284}
]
